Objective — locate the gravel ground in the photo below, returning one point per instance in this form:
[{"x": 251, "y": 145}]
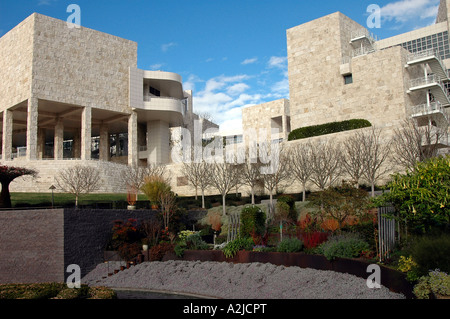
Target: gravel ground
[{"x": 238, "y": 281}]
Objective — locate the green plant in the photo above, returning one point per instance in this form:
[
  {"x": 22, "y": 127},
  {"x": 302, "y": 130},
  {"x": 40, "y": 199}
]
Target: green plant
[
  {"x": 328, "y": 128},
  {"x": 253, "y": 221},
  {"x": 232, "y": 248},
  {"x": 289, "y": 200},
  {"x": 436, "y": 283},
  {"x": 343, "y": 246},
  {"x": 431, "y": 252},
  {"x": 290, "y": 245},
  {"x": 153, "y": 187},
  {"x": 421, "y": 197},
  {"x": 54, "y": 291}
]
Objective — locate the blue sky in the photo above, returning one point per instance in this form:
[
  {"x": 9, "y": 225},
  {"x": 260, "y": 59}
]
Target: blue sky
[{"x": 231, "y": 53}]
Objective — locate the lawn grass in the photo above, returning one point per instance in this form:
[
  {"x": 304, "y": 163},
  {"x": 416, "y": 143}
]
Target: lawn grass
[{"x": 61, "y": 199}]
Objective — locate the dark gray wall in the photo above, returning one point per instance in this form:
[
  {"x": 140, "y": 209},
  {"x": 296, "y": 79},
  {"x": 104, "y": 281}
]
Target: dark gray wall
[
  {"x": 38, "y": 245},
  {"x": 86, "y": 233},
  {"x": 31, "y": 246}
]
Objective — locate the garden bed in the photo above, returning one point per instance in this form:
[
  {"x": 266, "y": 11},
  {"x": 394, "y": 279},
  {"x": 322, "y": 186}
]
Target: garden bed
[{"x": 392, "y": 279}]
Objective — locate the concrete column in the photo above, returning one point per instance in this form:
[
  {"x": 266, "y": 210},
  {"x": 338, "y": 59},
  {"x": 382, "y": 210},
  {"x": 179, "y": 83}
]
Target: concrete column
[
  {"x": 32, "y": 128},
  {"x": 76, "y": 146},
  {"x": 158, "y": 142},
  {"x": 104, "y": 143},
  {"x": 41, "y": 143},
  {"x": 7, "y": 135},
  {"x": 59, "y": 140},
  {"x": 86, "y": 133},
  {"x": 133, "y": 149}
]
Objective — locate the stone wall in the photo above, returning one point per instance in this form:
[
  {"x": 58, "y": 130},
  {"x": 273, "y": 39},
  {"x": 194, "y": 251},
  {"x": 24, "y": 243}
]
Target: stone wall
[
  {"x": 38, "y": 245},
  {"x": 16, "y": 52},
  {"x": 81, "y": 66}
]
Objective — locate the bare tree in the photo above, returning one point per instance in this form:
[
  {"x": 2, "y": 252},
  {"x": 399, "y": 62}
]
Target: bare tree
[
  {"x": 353, "y": 158},
  {"x": 325, "y": 163},
  {"x": 412, "y": 143},
  {"x": 375, "y": 153},
  {"x": 167, "y": 200},
  {"x": 199, "y": 175},
  {"x": 277, "y": 175},
  {"x": 223, "y": 178},
  {"x": 134, "y": 176},
  {"x": 251, "y": 176},
  {"x": 300, "y": 164},
  {"x": 78, "y": 180}
]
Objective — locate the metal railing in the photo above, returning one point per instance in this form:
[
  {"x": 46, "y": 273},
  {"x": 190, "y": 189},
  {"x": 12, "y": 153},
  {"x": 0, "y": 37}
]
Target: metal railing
[
  {"x": 386, "y": 232},
  {"x": 360, "y": 33},
  {"x": 430, "y": 79},
  {"x": 362, "y": 51},
  {"x": 427, "y": 53}
]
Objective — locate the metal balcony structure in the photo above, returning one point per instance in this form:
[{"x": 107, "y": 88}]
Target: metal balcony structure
[
  {"x": 427, "y": 112},
  {"x": 433, "y": 59},
  {"x": 434, "y": 85}
]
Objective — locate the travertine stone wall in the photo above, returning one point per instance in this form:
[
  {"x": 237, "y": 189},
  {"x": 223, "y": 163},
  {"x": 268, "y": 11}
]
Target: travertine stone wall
[
  {"x": 81, "y": 66},
  {"x": 16, "y": 52},
  {"x": 318, "y": 92}
]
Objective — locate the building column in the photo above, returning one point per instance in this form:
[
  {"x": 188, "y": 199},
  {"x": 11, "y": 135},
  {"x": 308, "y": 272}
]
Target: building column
[
  {"x": 7, "y": 135},
  {"x": 158, "y": 142},
  {"x": 86, "y": 133},
  {"x": 104, "y": 143},
  {"x": 32, "y": 128},
  {"x": 58, "y": 150},
  {"x": 133, "y": 149},
  {"x": 76, "y": 145},
  {"x": 41, "y": 143}
]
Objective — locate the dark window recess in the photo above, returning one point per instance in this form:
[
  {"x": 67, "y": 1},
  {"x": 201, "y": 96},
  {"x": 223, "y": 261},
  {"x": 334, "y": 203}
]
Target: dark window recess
[
  {"x": 348, "y": 79},
  {"x": 155, "y": 92}
]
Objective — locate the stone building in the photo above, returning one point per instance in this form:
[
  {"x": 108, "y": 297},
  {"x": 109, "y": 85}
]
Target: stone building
[{"x": 75, "y": 96}]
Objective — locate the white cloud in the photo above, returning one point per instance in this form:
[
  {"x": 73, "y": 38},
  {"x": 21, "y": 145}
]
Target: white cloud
[
  {"x": 46, "y": 2},
  {"x": 224, "y": 97},
  {"x": 156, "y": 66},
  {"x": 410, "y": 10},
  {"x": 249, "y": 61},
  {"x": 167, "y": 46},
  {"x": 237, "y": 88},
  {"x": 277, "y": 62}
]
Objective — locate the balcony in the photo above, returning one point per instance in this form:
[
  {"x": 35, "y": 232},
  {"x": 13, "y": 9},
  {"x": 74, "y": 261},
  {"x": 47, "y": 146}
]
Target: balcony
[
  {"x": 435, "y": 85},
  {"x": 436, "y": 138},
  {"x": 433, "y": 111},
  {"x": 168, "y": 109},
  {"x": 363, "y": 35},
  {"x": 363, "y": 50},
  {"x": 432, "y": 58}
]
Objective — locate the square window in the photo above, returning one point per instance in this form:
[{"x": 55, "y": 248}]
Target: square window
[{"x": 348, "y": 79}]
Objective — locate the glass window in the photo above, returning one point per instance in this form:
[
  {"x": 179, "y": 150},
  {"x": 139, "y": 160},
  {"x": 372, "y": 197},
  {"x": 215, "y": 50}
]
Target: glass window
[{"x": 348, "y": 79}]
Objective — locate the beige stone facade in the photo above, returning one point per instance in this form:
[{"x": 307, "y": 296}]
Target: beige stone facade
[{"x": 72, "y": 96}]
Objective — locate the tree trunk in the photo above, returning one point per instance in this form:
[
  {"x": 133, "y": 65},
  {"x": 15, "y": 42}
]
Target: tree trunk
[
  {"x": 373, "y": 189},
  {"x": 253, "y": 196},
  {"x": 76, "y": 200},
  {"x": 203, "y": 199},
  {"x": 5, "y": 196},
  {"x": 196, "y": 193},
  {"x": 304, "y": 194},
  {"x": 224, "y": 210}
]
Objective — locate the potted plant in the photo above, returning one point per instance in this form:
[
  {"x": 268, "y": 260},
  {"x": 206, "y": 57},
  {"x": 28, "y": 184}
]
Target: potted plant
[{"x": 131, "y": 199}]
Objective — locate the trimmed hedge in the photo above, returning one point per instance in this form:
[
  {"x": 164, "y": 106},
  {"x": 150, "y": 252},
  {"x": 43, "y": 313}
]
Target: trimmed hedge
[{"x": 328, "y": 128}]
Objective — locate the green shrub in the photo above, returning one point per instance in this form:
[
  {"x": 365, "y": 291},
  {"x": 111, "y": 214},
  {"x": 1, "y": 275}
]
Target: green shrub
[
  {"x": 290, "y": 201},
  {"x": 421, "y": 196},
  {"x": 290, "y": 245},
  {"x": 253, "y": 221},
  {"x": 436, "y": 282},
  {"x": 328, "y": 128},
  {"x": 232, "y": 248},
  {"x": 54, "y": 291},
  {"x": 431, "y": 252},
  {"x": 343, "y": 246}
]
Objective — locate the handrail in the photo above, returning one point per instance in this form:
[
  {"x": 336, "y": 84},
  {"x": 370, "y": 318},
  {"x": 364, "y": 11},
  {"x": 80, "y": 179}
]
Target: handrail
[
  {"x": 364, "y": 33},
  {"x": 428, "y": 53},
  {"x": 429, "y": 108}
]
